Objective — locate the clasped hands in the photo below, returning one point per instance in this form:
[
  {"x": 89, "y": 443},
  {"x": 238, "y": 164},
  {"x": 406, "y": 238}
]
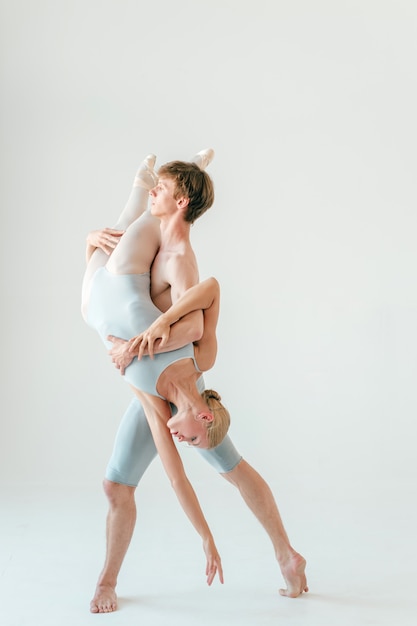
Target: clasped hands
[{"x": 124, "y": 351}]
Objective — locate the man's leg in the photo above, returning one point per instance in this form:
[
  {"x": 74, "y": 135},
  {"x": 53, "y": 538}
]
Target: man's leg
[
  {"x": 133, "y": 451},
  {"x": 259, "y": 498},
  {"x": 121, "y": 520}
]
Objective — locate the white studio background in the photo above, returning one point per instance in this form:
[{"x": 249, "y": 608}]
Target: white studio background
[{"x": 310, "y": 107}]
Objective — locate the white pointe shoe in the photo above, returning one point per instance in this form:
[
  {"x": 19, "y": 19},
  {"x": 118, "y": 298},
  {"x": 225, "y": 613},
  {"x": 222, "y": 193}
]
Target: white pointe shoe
[
  {"x": 203, "y": 158},
  {"x": 146, "y": 176}
]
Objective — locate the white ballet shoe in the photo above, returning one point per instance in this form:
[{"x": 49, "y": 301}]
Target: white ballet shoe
[
  {"x": 146, "y": 176},
  {"x": 203, "y": 158}
]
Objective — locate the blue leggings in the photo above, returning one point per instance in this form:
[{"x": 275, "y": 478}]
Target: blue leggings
[{"x": 134, "y": 449}]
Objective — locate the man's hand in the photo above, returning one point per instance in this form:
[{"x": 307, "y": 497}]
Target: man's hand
[
  {"x": 120, "y": 354},
  {"x": 214, "y": 564},
  {"x": 106, "y": 239},
  {"x": 160, "y": 329}
]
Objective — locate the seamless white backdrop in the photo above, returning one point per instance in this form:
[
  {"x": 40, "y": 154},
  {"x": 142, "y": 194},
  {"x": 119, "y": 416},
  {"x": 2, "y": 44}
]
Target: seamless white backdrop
[{"x": 310, "y": 108}]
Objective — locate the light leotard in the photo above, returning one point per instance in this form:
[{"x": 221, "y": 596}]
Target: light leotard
[{"x": 120, "y": 305}]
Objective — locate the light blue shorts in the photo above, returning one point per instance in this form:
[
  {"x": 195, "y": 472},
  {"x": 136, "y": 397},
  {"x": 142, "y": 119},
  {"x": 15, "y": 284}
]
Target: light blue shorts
[{"x": 134, "y": 449}]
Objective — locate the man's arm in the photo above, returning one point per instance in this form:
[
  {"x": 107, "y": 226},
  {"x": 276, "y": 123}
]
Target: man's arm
[
  {"x": 187, "y": 330},
  {"x": 204, "y": 296},
  {"x": 167, "y": 332}
]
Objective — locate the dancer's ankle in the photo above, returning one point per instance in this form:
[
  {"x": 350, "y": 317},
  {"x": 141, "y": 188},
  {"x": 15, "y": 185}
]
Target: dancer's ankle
[
  {"x": 146, "y": 176},
  {"x": 203, "y": 158}
]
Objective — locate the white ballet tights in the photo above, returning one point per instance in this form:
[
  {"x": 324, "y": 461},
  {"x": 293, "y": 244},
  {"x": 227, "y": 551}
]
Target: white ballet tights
[
  {"x": 137, "y": 203},
  {"x": 147, "y": 244}
]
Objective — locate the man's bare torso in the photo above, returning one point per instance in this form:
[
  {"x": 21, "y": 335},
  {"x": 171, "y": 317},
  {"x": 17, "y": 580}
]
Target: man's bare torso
[{"x": 174, "y": 270}]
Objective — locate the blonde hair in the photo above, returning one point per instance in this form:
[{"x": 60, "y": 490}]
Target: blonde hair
[{"x": 217, "y": 429}]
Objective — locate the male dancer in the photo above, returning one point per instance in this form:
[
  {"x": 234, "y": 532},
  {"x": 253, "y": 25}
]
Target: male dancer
[{"x": 173, "y": 271}]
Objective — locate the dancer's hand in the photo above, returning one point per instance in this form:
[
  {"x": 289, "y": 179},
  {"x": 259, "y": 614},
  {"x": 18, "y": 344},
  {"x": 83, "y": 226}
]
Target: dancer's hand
[
  {"x": 105, "y": 238},
  {"x": 214, "y": 564},
  {"x": 120, "y": 354},
  {"x": 159, "y": 329}
]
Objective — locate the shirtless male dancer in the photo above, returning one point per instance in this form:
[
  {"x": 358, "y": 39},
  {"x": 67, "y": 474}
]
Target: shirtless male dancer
[{"x": 174, "y": 270}]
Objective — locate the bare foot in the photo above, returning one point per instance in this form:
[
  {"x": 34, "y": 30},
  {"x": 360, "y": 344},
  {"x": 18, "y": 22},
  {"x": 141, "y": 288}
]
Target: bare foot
[
  {"x": 104, "y": 601},
  {"x": 293, "y": 571}
]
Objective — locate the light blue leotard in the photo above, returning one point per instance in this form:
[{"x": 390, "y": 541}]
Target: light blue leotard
[{"x": 120, "y": 305}]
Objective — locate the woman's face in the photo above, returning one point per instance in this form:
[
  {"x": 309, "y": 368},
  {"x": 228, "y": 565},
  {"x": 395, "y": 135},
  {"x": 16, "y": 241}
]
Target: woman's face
[{"x": 191, "y": 428}]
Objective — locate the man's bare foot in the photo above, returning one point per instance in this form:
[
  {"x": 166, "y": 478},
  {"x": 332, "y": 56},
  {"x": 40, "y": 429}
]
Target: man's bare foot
[
  {"x": 293, "y": 571},
  {"x": 104, "y": 601}
]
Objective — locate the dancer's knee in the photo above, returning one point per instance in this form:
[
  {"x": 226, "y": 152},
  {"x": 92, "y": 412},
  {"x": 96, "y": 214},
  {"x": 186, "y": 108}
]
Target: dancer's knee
[{"x": 118, "y": 494}]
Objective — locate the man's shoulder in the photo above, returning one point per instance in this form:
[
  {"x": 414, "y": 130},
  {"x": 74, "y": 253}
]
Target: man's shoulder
[
  {"x": 175, "y": 260},
  {"x": 182, "y": 273},
  {"x": 181, "y": 261},
  {"x": 176, "y": 270}
]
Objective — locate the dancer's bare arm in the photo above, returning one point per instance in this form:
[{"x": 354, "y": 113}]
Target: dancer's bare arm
[
  {"x": 204, "y": 296},
  {"x": 187, "y": 330},
  {"x": 157, "y": 413}
]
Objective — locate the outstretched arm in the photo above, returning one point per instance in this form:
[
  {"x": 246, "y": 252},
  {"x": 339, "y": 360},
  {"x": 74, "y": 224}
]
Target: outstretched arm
[
  {"x": 204, "y": 296},
  {"x": 157, "y": 413}
]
